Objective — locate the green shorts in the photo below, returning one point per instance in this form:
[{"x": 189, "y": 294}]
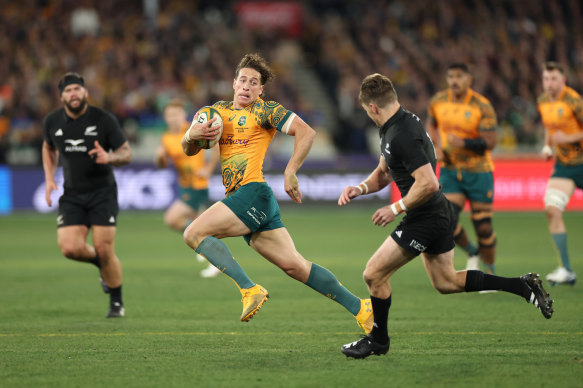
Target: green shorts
[
  {"x": 255, "y": 205},
  {"x": 193, "y": 198},
  {"x": 575, "y": 173},
  {"x": 476, "y": 186}
]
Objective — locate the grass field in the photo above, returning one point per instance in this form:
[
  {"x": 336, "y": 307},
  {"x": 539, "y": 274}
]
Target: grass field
[{"x": 183, "y": 331}]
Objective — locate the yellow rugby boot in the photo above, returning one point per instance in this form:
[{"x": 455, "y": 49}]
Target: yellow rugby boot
[
  {"x": 253, "y": 298},
  {"x": 365, "y": 317}
]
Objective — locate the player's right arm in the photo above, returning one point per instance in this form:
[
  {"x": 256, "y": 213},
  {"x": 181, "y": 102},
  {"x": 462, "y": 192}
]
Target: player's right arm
[
  {"x": 50, "y": 157},
  {"x": 198, "y": 131},
  {"x": 433, "y": 131},
  {"x": 376, "y": 181}
]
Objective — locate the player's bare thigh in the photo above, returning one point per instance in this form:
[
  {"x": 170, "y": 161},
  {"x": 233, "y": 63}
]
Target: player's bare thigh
[
  {"x": 218, "y": 221},
  {"x": 178, "y": 212},
  {"x": 72, "y": 239},
  {"x": 456, "y": 198},
  {"x": 565, "y": 185},
  {"x": 387, "y": 259},
  {"x": 442, "y": 273},
  {"x": 278, "y": 247},
  {"x": 480, "y": 206}
]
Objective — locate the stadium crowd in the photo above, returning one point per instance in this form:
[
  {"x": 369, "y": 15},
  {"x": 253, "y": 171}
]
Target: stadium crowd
[{"x": 135, "y": 59}]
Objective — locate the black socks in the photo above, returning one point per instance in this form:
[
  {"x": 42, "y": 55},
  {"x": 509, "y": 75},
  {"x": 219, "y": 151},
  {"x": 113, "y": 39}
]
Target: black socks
[
  {"x": 479, "y": 281},
  {"x": 380, "y": 309}
]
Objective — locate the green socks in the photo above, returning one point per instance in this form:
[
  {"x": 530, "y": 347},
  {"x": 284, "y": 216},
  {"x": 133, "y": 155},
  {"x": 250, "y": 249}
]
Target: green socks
[
  {"x": 561, "y": 243},
  {"x": 326, "y": 283},
  {"x": 216, "y": 252}
]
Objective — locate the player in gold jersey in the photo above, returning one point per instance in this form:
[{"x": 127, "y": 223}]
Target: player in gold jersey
[
  {"x": 561, "y": 110},
  {"x": 462, "y": 125},
  {"x": 193, "y": 174},
  {"x": 250, "y": 208}
]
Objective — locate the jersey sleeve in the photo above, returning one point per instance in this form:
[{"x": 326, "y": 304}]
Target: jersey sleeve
[
  {"x": 489, "y": 122},
  {"x": 115, "y": 136},
  {"x": 46, "y": 133},
  {"x": 277, "y": 116},
  {"x": 410, "y": 150},
  {"x": 577, "y": 106}
]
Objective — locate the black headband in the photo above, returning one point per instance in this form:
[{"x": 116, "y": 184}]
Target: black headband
[{"x": 70, "y": 79}]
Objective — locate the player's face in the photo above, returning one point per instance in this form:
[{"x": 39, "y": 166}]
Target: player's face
[
  {"x": 74, "y": 97},
  {"x": 553, "y": 82},
  {"x": 175, "y": 117},
  {"x": 247, "y": 87},
  {"x": 458, "y": 81}
]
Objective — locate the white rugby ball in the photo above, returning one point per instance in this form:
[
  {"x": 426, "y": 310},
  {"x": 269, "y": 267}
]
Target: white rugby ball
[{"x": 205, "y": 114}]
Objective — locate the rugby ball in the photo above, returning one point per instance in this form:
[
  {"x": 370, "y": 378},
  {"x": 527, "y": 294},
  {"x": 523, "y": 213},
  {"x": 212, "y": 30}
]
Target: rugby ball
[{"x": 205, "y": 114}]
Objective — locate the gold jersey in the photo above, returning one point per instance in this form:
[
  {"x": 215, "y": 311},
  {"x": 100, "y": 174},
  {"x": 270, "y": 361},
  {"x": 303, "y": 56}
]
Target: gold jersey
[
  {"x": 465, "y": 120},
  {"x": 185, "y": 165},
  {"x": 246, "y": 136},
  {"x": 564, "y": 114}
]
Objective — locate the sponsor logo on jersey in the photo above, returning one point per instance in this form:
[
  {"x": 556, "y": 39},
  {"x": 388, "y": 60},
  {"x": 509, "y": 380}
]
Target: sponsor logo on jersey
[
  {"x": 387, "y": 149},
  {"x": 242, "y": 120},
  {"x": 417, "y": 246},
  {"x": 230, "y": 141},
  {"x": 59, "y": 132},
  {"x": 90, "y": 131},
  {"x": 75, "y": 145},
  {"x": 232, "y": 117},
  {"x": 112, "y": 220},
  {"x": 399, "y": 233}
]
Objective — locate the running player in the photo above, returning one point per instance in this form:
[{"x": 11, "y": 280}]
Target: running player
[
  {"x": 462, "y": 124},
  {"x": 561, "y": 110},
  {"x": 250, "y": 209},
  {"x": 408, "y": 158},
  {"x": 193, "y": 175},
  {"x": 89, "y": 141}
]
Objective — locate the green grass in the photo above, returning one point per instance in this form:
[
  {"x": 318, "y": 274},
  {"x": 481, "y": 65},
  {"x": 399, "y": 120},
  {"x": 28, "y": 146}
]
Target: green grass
[{"x": 182, "y": 330}]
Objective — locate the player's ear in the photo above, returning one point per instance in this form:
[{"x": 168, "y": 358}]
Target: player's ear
[{"x": 261, "y": 90}]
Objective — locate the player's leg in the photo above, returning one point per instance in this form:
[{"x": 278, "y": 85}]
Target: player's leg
[
  {"x": 482, "y": 219},
  {"x": 72, "y": 241},
  {"x": 453, "y": 188},
  {"x": 557, "y": 195},
  {"x": 278, "y": 247},
  {"x": 447, "y": 280},
  {"x": 111, "y": 270},
  {"x": 388, "y": 258},
  {"x": 179, "y": 215},
  {"x": 204, "y": 234}
]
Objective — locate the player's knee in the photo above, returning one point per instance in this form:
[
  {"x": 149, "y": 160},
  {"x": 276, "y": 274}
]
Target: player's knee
[
  {"x": 192, "y": 237},
  {"x": 555, "y": 200},
  {"x": 482, "y": 221},
  {"x": 104, "y": 251},
  {"x": 553, "y": 212},
  {"x": 70, "y": 251}
]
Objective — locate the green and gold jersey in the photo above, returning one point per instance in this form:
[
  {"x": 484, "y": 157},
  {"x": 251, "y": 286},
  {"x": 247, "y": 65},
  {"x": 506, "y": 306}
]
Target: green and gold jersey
[
  {"x": 465, "y": 120},
  {"x": 246, "y": 136},
  {"x": 564, "y": 114}
]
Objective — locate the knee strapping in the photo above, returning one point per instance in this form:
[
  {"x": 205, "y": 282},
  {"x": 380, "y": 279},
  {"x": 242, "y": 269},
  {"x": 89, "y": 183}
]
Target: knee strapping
[
  {"x": 482, "y": 221},
  {"x": 556, "y": 198}
]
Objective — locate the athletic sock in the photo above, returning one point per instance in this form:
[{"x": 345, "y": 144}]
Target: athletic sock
[
  {"x": 115, "y": 295},
  {"x": 472, "y": 249},
  {"x": 490, "y": 268},
  {"x": 561, "y": 243},
  {"x": 325, "y": 283},
  {"x": 96, "y": 262},
  {"x": 479, "y": 281},
  {"x": 380, "y": 309},
  {"x": 216, "y": 252}
]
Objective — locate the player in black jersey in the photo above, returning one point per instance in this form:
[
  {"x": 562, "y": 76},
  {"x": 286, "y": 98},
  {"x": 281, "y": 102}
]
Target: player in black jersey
[
  {"x": 89, "y": 141},
  {"x": 408, "y": 158}
]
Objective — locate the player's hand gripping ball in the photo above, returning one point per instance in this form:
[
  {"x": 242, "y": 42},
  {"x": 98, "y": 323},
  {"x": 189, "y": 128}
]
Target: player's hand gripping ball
[{"x": 205, "y": 114}]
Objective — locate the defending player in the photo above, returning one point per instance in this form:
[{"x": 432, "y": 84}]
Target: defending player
[
  {"x": 408, "y": 158},
  {"x": 193, "y": 174},
  {"x": 462, "y": 125},
  {"x": 561, "y": 110},
  {"x": 89, "y": 141},
  {"x": 250, "y": 209}
]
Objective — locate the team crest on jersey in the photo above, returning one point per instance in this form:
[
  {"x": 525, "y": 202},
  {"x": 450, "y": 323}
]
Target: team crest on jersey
[
  {"x": 242, "y": 120},
  {"x": 90, "y": 131}
]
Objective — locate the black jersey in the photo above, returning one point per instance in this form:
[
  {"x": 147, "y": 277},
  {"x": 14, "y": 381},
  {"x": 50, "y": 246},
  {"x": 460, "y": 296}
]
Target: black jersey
[
  {"x": 74, "y": 138},
  {"x": 406, "y": 146}
]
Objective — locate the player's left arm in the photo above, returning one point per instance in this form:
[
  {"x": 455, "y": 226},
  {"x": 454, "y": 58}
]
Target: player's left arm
[
  {"x": 304, "y": 137},
  {"x": 560, "y": 137}
]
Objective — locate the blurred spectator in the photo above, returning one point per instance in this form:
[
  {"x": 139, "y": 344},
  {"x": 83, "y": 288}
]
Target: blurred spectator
[{"x": 136, "y": 57}]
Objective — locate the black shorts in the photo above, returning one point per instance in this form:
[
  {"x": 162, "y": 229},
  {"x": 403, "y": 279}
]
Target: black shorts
[
  {"x": 98, "y": 207},
  {"x": 427, "y": 231}
]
